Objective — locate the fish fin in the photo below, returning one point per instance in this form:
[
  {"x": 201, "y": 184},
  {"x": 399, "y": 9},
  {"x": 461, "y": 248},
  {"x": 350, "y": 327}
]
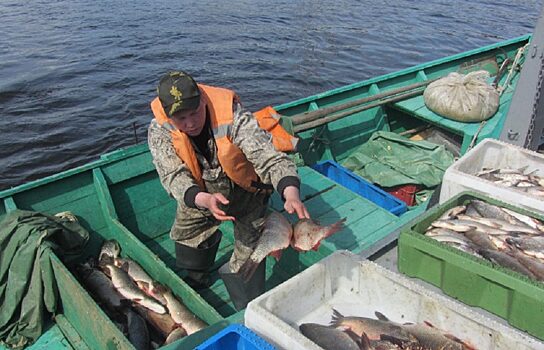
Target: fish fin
[
  {"x": 381, "y": 316},
  {"x": 429, "y": 324},
  {"x": 248, "y": 269},
  {"x": 392, "y": 339},
  {"x": 158, "y": 288},
  {"x": 337, "y": 226},
  {"x": 143, "y": 286},
  {"x": 276, "y": 254},
  {"x": 336, "y": 317},
  {"x": 364, "y": 342},
  {"x": 316, "y": 246}
]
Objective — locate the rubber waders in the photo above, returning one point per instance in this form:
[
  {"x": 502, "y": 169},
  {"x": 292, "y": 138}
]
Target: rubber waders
[
  {"x": 198, "y": 261},
  {"x": 241, "y": 293}
]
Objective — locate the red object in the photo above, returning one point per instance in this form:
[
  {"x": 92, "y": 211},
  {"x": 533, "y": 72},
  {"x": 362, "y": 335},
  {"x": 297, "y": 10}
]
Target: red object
[{"x": 406, "y": 193}]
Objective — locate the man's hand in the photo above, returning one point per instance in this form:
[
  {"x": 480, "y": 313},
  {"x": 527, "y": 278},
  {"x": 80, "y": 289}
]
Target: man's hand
[
  {"x": 211, "y": 202},
  {"x": 293, "y": 203}
]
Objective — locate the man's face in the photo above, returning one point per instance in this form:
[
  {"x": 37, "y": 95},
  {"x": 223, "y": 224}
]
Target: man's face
[{"x": 191, "y": 122}]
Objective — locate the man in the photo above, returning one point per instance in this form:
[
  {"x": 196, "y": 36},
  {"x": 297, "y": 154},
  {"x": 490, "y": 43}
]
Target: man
[{"x": 214, "y": 158}]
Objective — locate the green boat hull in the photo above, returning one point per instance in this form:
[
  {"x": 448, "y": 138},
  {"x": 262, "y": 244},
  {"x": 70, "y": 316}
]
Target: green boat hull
[{"x": 120, "y": 196}]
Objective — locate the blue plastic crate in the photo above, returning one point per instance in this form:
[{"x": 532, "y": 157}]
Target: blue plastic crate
[
  {"x": 236, "y": 337},
  {"x": 357, "y": 184}
]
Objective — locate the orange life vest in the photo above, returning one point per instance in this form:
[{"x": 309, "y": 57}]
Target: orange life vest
[{"x": 232, "y": 159}]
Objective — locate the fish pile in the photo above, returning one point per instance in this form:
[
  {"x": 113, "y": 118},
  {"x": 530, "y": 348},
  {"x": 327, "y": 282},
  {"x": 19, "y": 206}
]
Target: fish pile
[
  {"x": 515, "y": 178},
  {"x": 502, "y": 236},
  {"x": 278, "y": 233},
  {"x": 133, "y": 300},
  {"x": 363, "y": 333}
]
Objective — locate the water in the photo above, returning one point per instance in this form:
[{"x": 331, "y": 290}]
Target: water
[{"x": 77, "y": 75}]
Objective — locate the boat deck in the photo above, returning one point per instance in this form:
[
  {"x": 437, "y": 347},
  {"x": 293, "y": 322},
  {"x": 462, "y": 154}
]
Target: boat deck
[{"x": 328, "y": 202}]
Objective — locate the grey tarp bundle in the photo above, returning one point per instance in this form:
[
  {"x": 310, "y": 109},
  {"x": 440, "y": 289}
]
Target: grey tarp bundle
[
  {"x": 388, "y": 159},
  {"x": 27, "y": 283}
]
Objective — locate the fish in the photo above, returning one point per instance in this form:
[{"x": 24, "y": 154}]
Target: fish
[
  {"x": 162, "y": 323},
  {"x": 430, "y": 337},
  {"x": 182, "y": 315},
  {"x": 99, "y": 285},
  {"x": 138, "y": 275},
  {"x": 276, "y": 235},
  {"x": 479, "y": 220},
  {"x": 471, "y": 211},
  {"x": 527, "y": 220},
  {"x": 506, "y": 261},
  {"x": 329, "y": 338},
  {"x": 535, "y": 191},
  {"x": 308, "y": 234},
  {"x": 532, "y": 246},
  {"x": 176, "y": 334},
  {"x": 453, "y": 225},
  {"x": 373, "y": 328},
  {"x": 109, "y": 251},
  {"x": 451, "y": 237},
  {"x": 491, "y": 211},
  {"x": 453, "y": 212},
  {"x": 128, "y": 289},
  {"x": 532, "y": 264},
  {"x": 138, "y": 334},
  {"x": 481, "y": 239}
]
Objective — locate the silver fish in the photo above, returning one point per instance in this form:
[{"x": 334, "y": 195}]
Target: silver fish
[
  {"x": 533, "y": 246},
  {"x": 182, "y": 315},
  {"x": 480, "y": 239},
  {"x": 453, "y": 212},
  {"x": 491, "y": 211},
  {"x": 128, "y": 289},
  {"x": 451, "y": 225},
  {"x": 527, "y": 220},
  {"x": 532, "y": 264}
]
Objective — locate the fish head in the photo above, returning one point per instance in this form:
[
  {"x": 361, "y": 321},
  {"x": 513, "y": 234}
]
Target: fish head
[{"x": 308, "y": 233}]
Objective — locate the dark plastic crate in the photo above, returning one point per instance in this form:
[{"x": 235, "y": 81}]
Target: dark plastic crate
[
  {"x": 236, "y": 337},
  {"x": 357, "y": 184}
]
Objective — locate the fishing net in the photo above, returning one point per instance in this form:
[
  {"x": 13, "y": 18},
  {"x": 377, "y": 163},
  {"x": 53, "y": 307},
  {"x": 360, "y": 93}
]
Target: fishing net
[{"x": 464, "y": 98}]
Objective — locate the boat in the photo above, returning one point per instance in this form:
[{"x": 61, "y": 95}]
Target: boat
[{"x": 120, "y": 196}]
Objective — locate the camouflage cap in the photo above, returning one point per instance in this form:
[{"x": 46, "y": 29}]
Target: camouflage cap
[{"x": 178, "y": 91}]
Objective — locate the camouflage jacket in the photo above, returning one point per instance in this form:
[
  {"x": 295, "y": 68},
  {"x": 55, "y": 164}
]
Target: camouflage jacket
[{"x": 273, "y": 167}]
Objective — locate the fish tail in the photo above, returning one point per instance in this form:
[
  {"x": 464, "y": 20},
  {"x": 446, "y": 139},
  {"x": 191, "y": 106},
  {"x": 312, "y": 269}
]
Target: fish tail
[
  {"x": 336, "y": 318},
  {"x": 248, "y": 269},
  {"x": 337, "y": 226}
]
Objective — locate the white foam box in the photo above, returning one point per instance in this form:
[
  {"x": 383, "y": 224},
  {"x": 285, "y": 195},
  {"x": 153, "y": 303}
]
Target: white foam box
[
  {"x": 491, "y": 153},
  {"x": 358, "y": 287}
]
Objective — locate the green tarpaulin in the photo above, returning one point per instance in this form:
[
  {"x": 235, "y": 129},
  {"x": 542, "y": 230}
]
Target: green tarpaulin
[
  {"x": 388, "y": 160},
  {"x": 27, "y": 284}
]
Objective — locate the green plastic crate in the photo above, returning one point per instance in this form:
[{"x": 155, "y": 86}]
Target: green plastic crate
[{"x": 472, "y": 280}]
